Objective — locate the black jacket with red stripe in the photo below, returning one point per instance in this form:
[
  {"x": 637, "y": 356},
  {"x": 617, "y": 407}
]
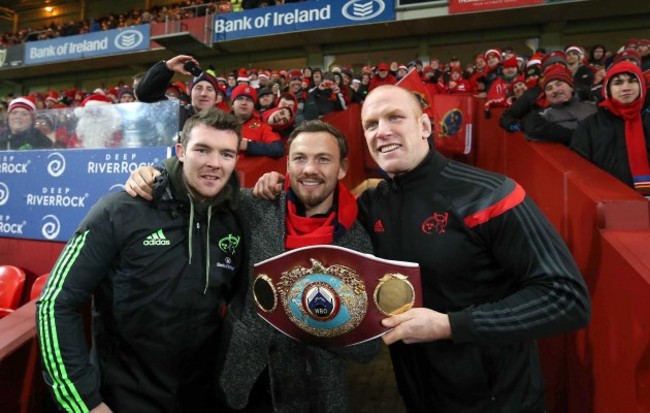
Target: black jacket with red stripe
[{"x": 489, "y": 259}]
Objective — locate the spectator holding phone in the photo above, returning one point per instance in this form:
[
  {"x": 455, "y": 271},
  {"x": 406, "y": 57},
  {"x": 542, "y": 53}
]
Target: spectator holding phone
[
  {"x": 325, "y": 98},
  {"x": 203, "y": 89}
]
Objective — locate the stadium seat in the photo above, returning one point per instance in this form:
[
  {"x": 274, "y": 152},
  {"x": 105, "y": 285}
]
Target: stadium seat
[
  {"x": 12, "y": 281},
  {"x": 38, "y": 285}
]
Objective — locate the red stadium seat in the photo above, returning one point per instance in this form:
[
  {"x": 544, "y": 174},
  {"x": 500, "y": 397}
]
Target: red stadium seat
[
  {"x": 38, "y": 285},
  {"x": 12, "y": 280}
]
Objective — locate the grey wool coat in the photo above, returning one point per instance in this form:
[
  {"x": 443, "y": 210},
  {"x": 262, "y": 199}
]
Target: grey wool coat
[{"x": 303, "y": 377}]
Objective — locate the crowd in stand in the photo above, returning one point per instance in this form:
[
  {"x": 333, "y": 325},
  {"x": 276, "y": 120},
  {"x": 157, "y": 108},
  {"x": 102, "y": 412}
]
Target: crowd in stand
[
  {"x": 545, "y": 96},
  {"x": 157, "y": 14}
]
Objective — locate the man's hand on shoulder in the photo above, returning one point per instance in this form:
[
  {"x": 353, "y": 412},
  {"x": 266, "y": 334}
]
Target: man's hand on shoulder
[
  {"x": 418, "y": 325},
  {"x": 269, "y": 186},
  {"x": 140, "y": 183}
]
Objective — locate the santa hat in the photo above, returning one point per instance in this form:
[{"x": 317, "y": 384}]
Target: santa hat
[
  {"x": 511, "y": 62},
  {"x": 96, "y": 99},
  {"x": 518, "y": 79},
  {"x": 382, "y": 66},
  {"x": 631, "y": 43},
  {"x": 479, "y": 57},
  {"x": 644, "y": 42},
  {"x": 242, "y": 76},
  {"x": 22, "y": 103},
  {"x": 495, "y": 52},
  {"x": 264, "y": 73},
  {"x": 295, "y": 75},
  {"x": 557, "y": 72},
  {"x": 52, "y": 96},
  {"x": 243, "y": 90},
  {"x": 629, "y": 55},
  {"x": 204, "y": 77},
  {"x": 404, "y": 67},
  {"x": 574, "y": 49},
  {"x": 456, "y": 69},
  {"x": 535, "y": 59},
  {"x": 556, "y": 57}
]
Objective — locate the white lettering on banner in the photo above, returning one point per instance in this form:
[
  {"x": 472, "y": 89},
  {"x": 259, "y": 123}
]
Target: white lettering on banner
[
  {"x": 223, "y": 26},
  {"x": 41, "y": 52},
  {"x": 13, "y": 168},
  {"x": 57, "y": 200},
  {"x": 114, "y": 167},
  {"x": 88, "y": 46},
  {"x": 302, "y": 16},
  {"x": 7, "y": 227}
]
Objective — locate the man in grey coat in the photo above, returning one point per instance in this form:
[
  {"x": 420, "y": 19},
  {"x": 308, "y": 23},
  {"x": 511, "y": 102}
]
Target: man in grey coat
[{"x": 264, "y": 370}]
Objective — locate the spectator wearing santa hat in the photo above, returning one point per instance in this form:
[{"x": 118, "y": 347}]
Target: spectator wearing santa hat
[
  {"x": 203, "y": 90},
  {"x": 583, "y": 75},
  {"x": 20, "y": 133},
  {"x": 258, "y": 138},
  {"x": 558, "y": 119},
  {"x": 493, "y": 60},
  {"x": 99, "y": 124},
  {"x": 263, "y": 77},
  {"x": 51, "y": 99}
]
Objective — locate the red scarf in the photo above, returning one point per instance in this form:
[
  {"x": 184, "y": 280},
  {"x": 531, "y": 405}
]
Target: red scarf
[
  {"x": 635, "y": 142},
  {"x": 304, "y": 231}
]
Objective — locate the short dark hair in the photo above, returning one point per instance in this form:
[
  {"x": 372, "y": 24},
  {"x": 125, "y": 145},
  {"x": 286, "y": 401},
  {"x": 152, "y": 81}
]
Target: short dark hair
[
  {"x": 213, "y": 118},
  {"x": 320, "y": 126}
]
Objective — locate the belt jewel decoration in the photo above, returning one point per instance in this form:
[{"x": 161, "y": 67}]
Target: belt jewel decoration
[{"x": 322, "y": 301}]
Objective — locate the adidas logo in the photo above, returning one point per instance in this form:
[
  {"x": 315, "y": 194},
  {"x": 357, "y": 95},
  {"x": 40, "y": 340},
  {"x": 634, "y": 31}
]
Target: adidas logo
[
  {"x": 379, "y": 227},
  {"x": 156, "y": 238}
]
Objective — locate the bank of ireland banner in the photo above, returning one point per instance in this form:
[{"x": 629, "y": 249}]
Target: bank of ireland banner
[
  {"x": 45, "y": 194},
  {"x": 102, "y": 43},
  {"x": 309, "y": 15}
]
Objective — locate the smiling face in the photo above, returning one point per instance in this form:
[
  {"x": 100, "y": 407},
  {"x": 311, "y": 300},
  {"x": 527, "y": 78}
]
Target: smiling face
[
  {"x": 625, "y": 88},
  {"x": 203, "y": 95},
  {"x": 209, "y": 157},
  {"x": 395, "y": 129},
  {"x": 314, "y": 166},
  {"x": 280, "y": 117},
  {"x": 19, "y": 120},
  {"x": 557, "y": 91}
]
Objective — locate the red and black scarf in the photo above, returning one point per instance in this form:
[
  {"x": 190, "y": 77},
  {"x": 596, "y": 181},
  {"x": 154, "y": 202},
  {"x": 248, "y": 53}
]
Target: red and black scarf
[
  {"x": 304, "y": 231},
  {"x": 635, "y": 141}
]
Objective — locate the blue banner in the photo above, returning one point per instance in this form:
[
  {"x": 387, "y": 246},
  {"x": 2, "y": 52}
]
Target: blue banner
[
  {"x": 45, "y": 194},
  {"x": 309, "y": 15},
  {"x": 103, "y": 43}
]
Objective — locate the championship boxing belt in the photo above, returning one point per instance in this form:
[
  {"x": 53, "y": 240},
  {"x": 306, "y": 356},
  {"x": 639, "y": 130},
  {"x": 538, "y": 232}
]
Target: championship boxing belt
[{"x": 333, "y": 296}]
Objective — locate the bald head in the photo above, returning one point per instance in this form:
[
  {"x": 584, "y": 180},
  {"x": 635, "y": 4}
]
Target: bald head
[{"x": 395, "y": 129}]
